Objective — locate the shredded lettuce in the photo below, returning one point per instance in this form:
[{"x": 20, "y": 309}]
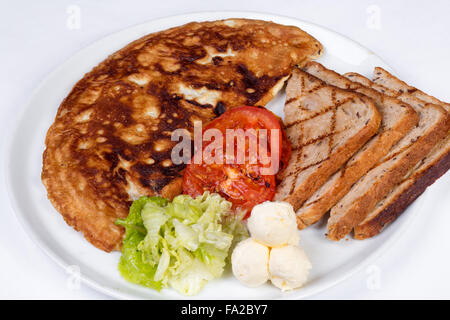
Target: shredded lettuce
[{"x": 182, "y": 244}]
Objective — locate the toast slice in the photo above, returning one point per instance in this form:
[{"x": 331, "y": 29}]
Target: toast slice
[
  {"x": 363, "y": 197},
  {"x": 397, "y": 119},
  {"x": 326, "y": 126},
  {"x": 387, "y": 80},
  {"x": 430, "y": 168}
]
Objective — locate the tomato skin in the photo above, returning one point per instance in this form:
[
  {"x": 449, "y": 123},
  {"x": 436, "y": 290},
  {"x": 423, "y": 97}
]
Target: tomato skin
[
  {"x": 243, "y": 192},
  {"x": 255, "y": 118},
  {"x": 242, "y": 184}
]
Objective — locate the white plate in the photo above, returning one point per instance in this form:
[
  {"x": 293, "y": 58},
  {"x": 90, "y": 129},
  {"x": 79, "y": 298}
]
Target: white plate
[{"x": 332, "y": 262}]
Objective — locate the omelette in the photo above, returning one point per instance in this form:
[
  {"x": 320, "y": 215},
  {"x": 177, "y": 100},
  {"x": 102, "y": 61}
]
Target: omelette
[{"x": 110, "y": 142}]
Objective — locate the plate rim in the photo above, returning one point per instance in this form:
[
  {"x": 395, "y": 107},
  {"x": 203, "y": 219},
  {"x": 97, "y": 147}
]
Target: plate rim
[{"x": 115, "y": 293}]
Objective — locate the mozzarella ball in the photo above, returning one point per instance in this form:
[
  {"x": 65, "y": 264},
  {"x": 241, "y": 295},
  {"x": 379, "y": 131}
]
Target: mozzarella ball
[
  {"x": 274, "y": 224},
  {"x": 288, "y": 267},
  {"x": 250, "y": 263}
]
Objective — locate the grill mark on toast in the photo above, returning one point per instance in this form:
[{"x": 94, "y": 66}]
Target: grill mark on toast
[
  {"x": 288, "y": 101},
  {"x": 302, "y": 84},
  {"x": 316, "y": 88},
  {"x": 300, "y": 169},
  {"x": 312, "y": 141},
  {"x": 331, "y": 107},
  {"x": 297, "y": 172},
  {"x": 300, "y": 153},
  {"x": 333, "y": 122},
  {"x": 332, "y": 132},
  {"x": 313, "y": 164},
  {"x": 310, "y": 203}
]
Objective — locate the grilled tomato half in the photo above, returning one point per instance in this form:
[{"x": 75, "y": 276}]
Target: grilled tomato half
[{"x": 245, "y": 148}]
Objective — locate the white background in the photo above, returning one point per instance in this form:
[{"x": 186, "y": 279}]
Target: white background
[{"x": 413, "y": 37}]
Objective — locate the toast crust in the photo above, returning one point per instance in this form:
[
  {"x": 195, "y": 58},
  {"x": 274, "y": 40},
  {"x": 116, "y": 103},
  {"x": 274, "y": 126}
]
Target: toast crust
[
  {"x": 297, "y": 194},
  {"x": 389, "y": 134}
]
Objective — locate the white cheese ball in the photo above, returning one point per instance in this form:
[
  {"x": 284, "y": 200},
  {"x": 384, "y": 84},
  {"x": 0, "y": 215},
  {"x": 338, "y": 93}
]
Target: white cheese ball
[
  {"x": 289, "y": 267},
  {"x": 250, "y": 263},
  {"x": 274, "y": 224}
]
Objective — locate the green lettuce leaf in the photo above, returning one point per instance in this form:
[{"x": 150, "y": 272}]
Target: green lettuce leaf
[
  {"x": 131, "y": 265},
  {"x": 183, "y": 244}
]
